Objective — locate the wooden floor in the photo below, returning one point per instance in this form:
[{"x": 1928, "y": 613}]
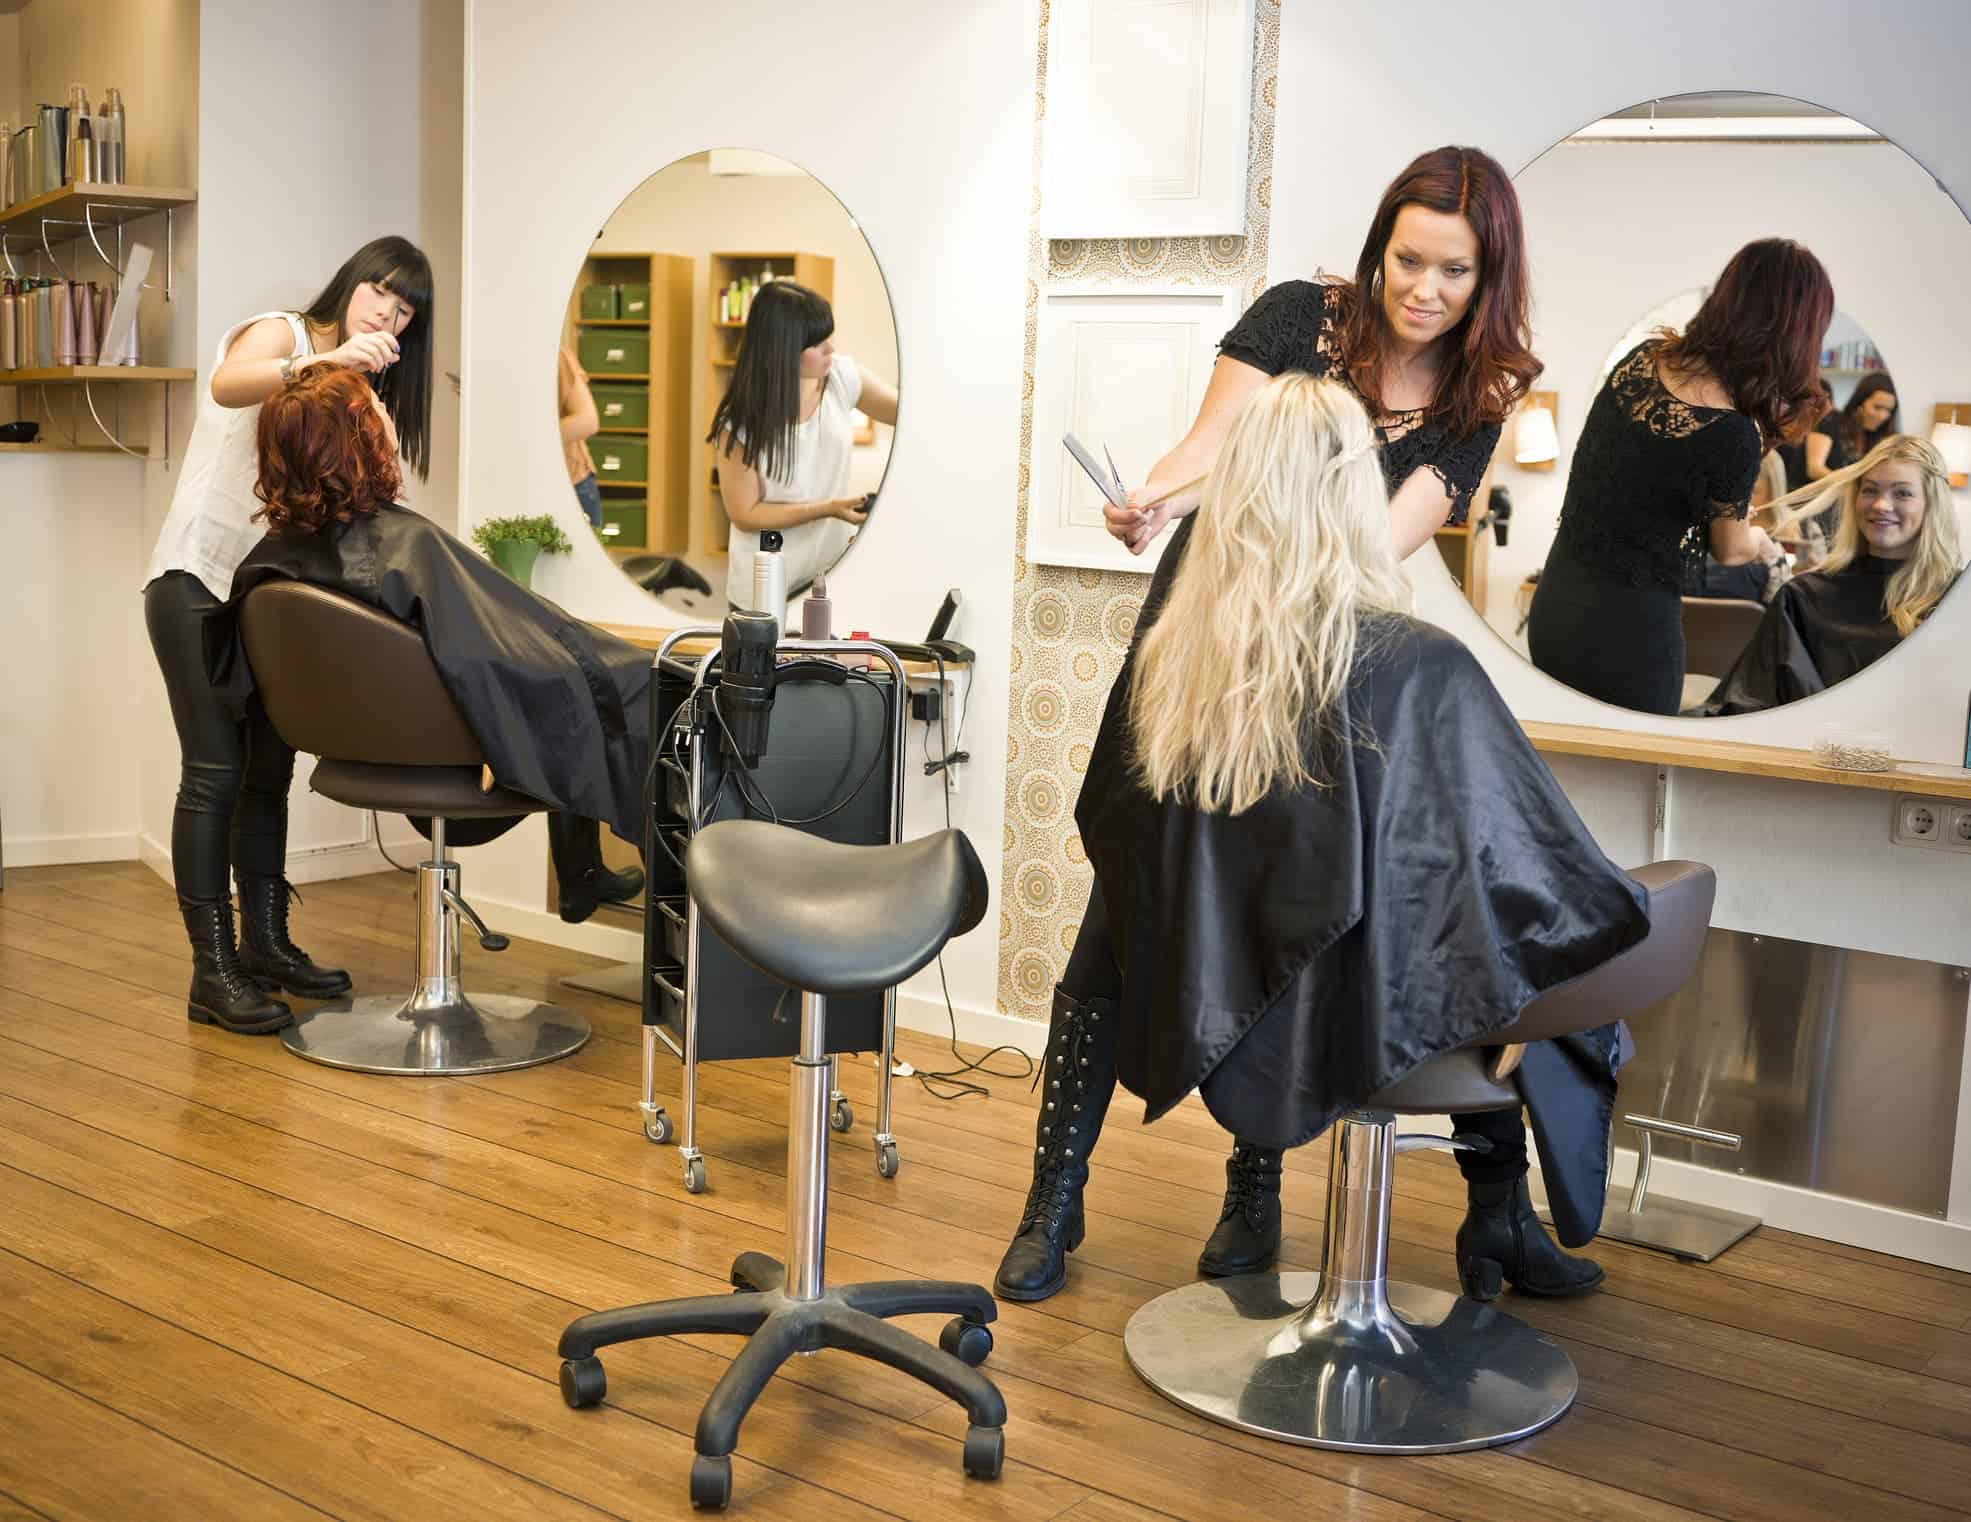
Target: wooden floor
[{"x": 237, "y": 1285}]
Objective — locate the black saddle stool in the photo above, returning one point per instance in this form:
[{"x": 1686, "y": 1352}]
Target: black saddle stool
[
  {"x": 826, "y": 919},
  {"x": 1347, "y": 1359}
]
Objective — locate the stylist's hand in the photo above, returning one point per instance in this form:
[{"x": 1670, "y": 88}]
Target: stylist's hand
[
  {"x": 1769, "y": 550},
  {"x": 850, "y": 510},
  {"x": 371, "y": 352},
  {"x": 1136, "y": 526}
]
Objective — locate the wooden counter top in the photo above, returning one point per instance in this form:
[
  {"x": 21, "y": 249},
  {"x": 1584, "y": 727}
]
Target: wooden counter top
[
  {"x": 1931, "y": 780},
  {"x": 651, "y": 639}
]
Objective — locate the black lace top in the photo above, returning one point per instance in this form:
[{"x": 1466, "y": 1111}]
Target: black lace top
[
  {"x": 1649, "y": 475},
  {"x": 1292, "y": 327}
]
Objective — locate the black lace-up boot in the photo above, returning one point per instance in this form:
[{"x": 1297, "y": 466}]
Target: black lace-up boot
[
  {"x": 265, "y": 950},
  {"x": 1503, "y": 1240},
  {"x": 1247, "y": 1238},
  {"x": 1078, "y": 1078},
  {"x": 222, "y": 993}
]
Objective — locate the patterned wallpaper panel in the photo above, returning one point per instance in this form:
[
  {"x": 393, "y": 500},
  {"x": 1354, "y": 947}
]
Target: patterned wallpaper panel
[{"x": 1071, "y": 627}]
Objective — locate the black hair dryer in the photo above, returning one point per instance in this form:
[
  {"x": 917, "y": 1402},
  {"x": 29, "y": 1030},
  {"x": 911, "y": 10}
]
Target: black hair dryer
[
  {"x": 1498, "y": 507},
  {"x": 744, "y": 695}
]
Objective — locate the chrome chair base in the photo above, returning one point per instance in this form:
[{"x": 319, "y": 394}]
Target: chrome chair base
[
  {"x": 478, "y": 1033},
  {"x": 1441, "y": 1373}
]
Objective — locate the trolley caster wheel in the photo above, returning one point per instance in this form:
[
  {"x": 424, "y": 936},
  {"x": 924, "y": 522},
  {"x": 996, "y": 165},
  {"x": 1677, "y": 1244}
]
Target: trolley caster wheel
[
  {"x": 711, "y": 1480},
  {"x": 657, "y": 1127},
  {"x": 582, "y": 1382},
  {"x": 985, "y": 1452},
  {"x": 841, "y": 1117},
  {"x": 886, "y": 1160},
  {"x": 694, "y": 1176},
  {"x": 968, "y": 1341}
]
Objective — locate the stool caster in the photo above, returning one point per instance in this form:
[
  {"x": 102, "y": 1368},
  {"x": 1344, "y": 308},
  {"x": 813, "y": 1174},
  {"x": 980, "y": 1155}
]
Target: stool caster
[
  {"x": 841, "y": 1116},
  {"x": 967, "y": 1341},
  {"x": 657, "y": 1126},
  {"x": 582, "y": 1382},
  {"x": 694, "y": 1175},
  {"x": 886, "y": 1159},
  {"x": 985, "y": 1452},
  {"x": 711, "y": 1480}
]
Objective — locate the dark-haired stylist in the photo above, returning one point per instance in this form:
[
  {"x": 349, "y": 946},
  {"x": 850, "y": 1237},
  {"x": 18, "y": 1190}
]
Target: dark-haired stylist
[
  {"x": 784, "y": 434},
  {"x": 374, "y": 316},
  {"x": 1431, "y": 335},
  {"x": 1664, "y": 470}
]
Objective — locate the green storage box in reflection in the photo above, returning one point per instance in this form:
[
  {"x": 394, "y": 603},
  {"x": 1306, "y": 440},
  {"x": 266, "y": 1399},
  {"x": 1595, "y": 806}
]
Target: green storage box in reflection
[
  {"x": 626, "y": 516},
  {"x": 633, "y": 303},
  {"x": 599, "y": 302},
  {"x": 621, "y": 406},
  {"x": 624, "y": 460},
  {"x": 615, "y": 352}
]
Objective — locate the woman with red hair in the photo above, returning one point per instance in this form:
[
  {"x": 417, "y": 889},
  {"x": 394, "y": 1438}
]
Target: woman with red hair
[
  {"x": 1431, "y": 337},
  {"x": 328, "y": 483},
  {"x": 1665, "y": 469}
]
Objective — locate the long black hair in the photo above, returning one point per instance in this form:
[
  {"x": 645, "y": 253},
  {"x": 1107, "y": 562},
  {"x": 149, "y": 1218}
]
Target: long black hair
[
  {"x": 762, "y": 407},
  {"x": 1853, "y": 439},
  {"x": 399, "y": 266}
]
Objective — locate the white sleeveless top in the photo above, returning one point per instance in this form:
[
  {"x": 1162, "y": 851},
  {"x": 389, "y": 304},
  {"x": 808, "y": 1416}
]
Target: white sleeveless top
[
  {"x": 210, "y": 527},
  {"x": 817, "y": 470}
]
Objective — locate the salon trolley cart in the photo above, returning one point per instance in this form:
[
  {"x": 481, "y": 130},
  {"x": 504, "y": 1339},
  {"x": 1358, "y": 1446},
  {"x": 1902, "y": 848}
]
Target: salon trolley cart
[{"x": 833, "y": 766}]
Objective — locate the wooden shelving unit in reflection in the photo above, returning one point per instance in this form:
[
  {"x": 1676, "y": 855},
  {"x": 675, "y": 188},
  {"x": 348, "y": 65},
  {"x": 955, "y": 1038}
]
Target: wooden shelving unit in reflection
[
  {"x": 817, "y": 273},
  {"x": 652, "y": 508}
]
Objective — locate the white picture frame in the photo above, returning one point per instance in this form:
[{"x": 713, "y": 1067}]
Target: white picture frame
[
  {"x": 1123, "y": 369},
  {"x": 1149, "y": 111}
]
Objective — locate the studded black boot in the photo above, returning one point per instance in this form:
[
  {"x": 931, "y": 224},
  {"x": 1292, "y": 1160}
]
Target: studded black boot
[
  {"x": 1503, "y": 1242},
  {"x": 1079, "y": 1076},
  {"x": 222, "y": 992},
  {"x": 1247, "y": 1238},
  {"x": 265, "y": 950}
]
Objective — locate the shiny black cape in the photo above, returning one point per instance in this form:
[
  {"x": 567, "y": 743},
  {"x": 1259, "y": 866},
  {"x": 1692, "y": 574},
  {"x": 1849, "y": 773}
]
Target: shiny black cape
[
  {"x": 1293, "y": 960},
  {"x": 557, "y": 704},
  {"x": 1819, "y": 629}
]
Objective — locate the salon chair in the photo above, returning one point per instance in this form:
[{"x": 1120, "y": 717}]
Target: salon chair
[
  {"x": 358, "y": 689},
  {"x": 1716, "y": 630},
  {"x": 829, "y": 920},
  {"x": 1347, "y": 1358},
  {"x": 665, "y": 573}
]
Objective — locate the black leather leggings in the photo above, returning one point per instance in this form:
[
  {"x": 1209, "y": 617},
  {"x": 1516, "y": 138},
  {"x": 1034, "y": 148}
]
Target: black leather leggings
[
  {"x": 1092, "y": 974},
  {"x": 234, "y": 771}
]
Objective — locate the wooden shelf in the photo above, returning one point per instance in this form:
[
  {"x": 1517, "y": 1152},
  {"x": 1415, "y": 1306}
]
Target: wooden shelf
[
  {"x": 724, "y": 364},
  {"x": 40, "y": 448},
  {"x": 605, "y": 485},
  {"x": 1743, "y": 760},
  {"x": 63, "y": 375},
  {"x": 644, "y": 431},
  {"x": 612, "y": 322},
  {"x": 605, "y": 377},
  {"x": 106, "y": 205},
  {"x": 648, "y": 638}
]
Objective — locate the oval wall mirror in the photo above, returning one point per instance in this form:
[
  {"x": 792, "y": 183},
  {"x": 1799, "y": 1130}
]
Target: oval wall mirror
[
  {"x": 1608, "y": 547},
  {"x": 728, "y": 366}
]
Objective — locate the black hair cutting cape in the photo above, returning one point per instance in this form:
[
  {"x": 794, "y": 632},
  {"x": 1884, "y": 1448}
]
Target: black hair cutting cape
[
  {"x": 557, "y": 704},
  {"x": 1293, "y": 960},
  {"x": 1819, "y": 629}
]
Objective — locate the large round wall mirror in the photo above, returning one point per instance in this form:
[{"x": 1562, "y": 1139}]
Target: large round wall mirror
[
  {"x": 1593, "y": 551},
  {"x": 728, "y": 366}
]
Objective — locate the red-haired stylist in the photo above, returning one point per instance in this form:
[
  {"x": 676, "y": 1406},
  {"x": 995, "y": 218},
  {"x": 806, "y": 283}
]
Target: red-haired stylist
[
  {"x": 1431, "y": 336},
  {"x": 374, "y": 316}
]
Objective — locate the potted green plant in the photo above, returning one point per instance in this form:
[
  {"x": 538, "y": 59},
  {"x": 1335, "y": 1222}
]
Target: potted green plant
[{"x": 513, "y": 544}]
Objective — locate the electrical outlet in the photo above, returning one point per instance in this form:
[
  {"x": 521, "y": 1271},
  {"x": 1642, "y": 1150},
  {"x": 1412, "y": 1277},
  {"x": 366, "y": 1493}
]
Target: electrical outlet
[
  {"x": 1931, "y": 823},
  {"x": 1918, "y": 821}
]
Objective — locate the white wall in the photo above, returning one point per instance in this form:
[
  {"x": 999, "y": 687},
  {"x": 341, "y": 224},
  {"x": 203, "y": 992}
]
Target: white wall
[
  {"x": 285, "y": 197},
  {"x": 932, "y": 156},
  {"x": 1614, "y": 229},
  {"x": 686, "y": 209}
]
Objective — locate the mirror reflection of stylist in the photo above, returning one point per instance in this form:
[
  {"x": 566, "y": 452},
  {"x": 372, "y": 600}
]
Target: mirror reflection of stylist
[
  {"x": 1867, "y": 418},
  {"x": 1665, "y": 468},
  {"x": 785, "y": 437},
  {"x": 579, "y": 422},
  {"x": 1431, "y": 335},
  {"x": 374, "y": 316}
]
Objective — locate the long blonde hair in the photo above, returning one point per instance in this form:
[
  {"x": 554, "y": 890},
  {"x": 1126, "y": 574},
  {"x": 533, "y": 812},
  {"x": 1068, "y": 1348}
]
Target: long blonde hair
[
  {"x": 1249, "y": 660},
  {"x": 1914, "y": 589}
]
